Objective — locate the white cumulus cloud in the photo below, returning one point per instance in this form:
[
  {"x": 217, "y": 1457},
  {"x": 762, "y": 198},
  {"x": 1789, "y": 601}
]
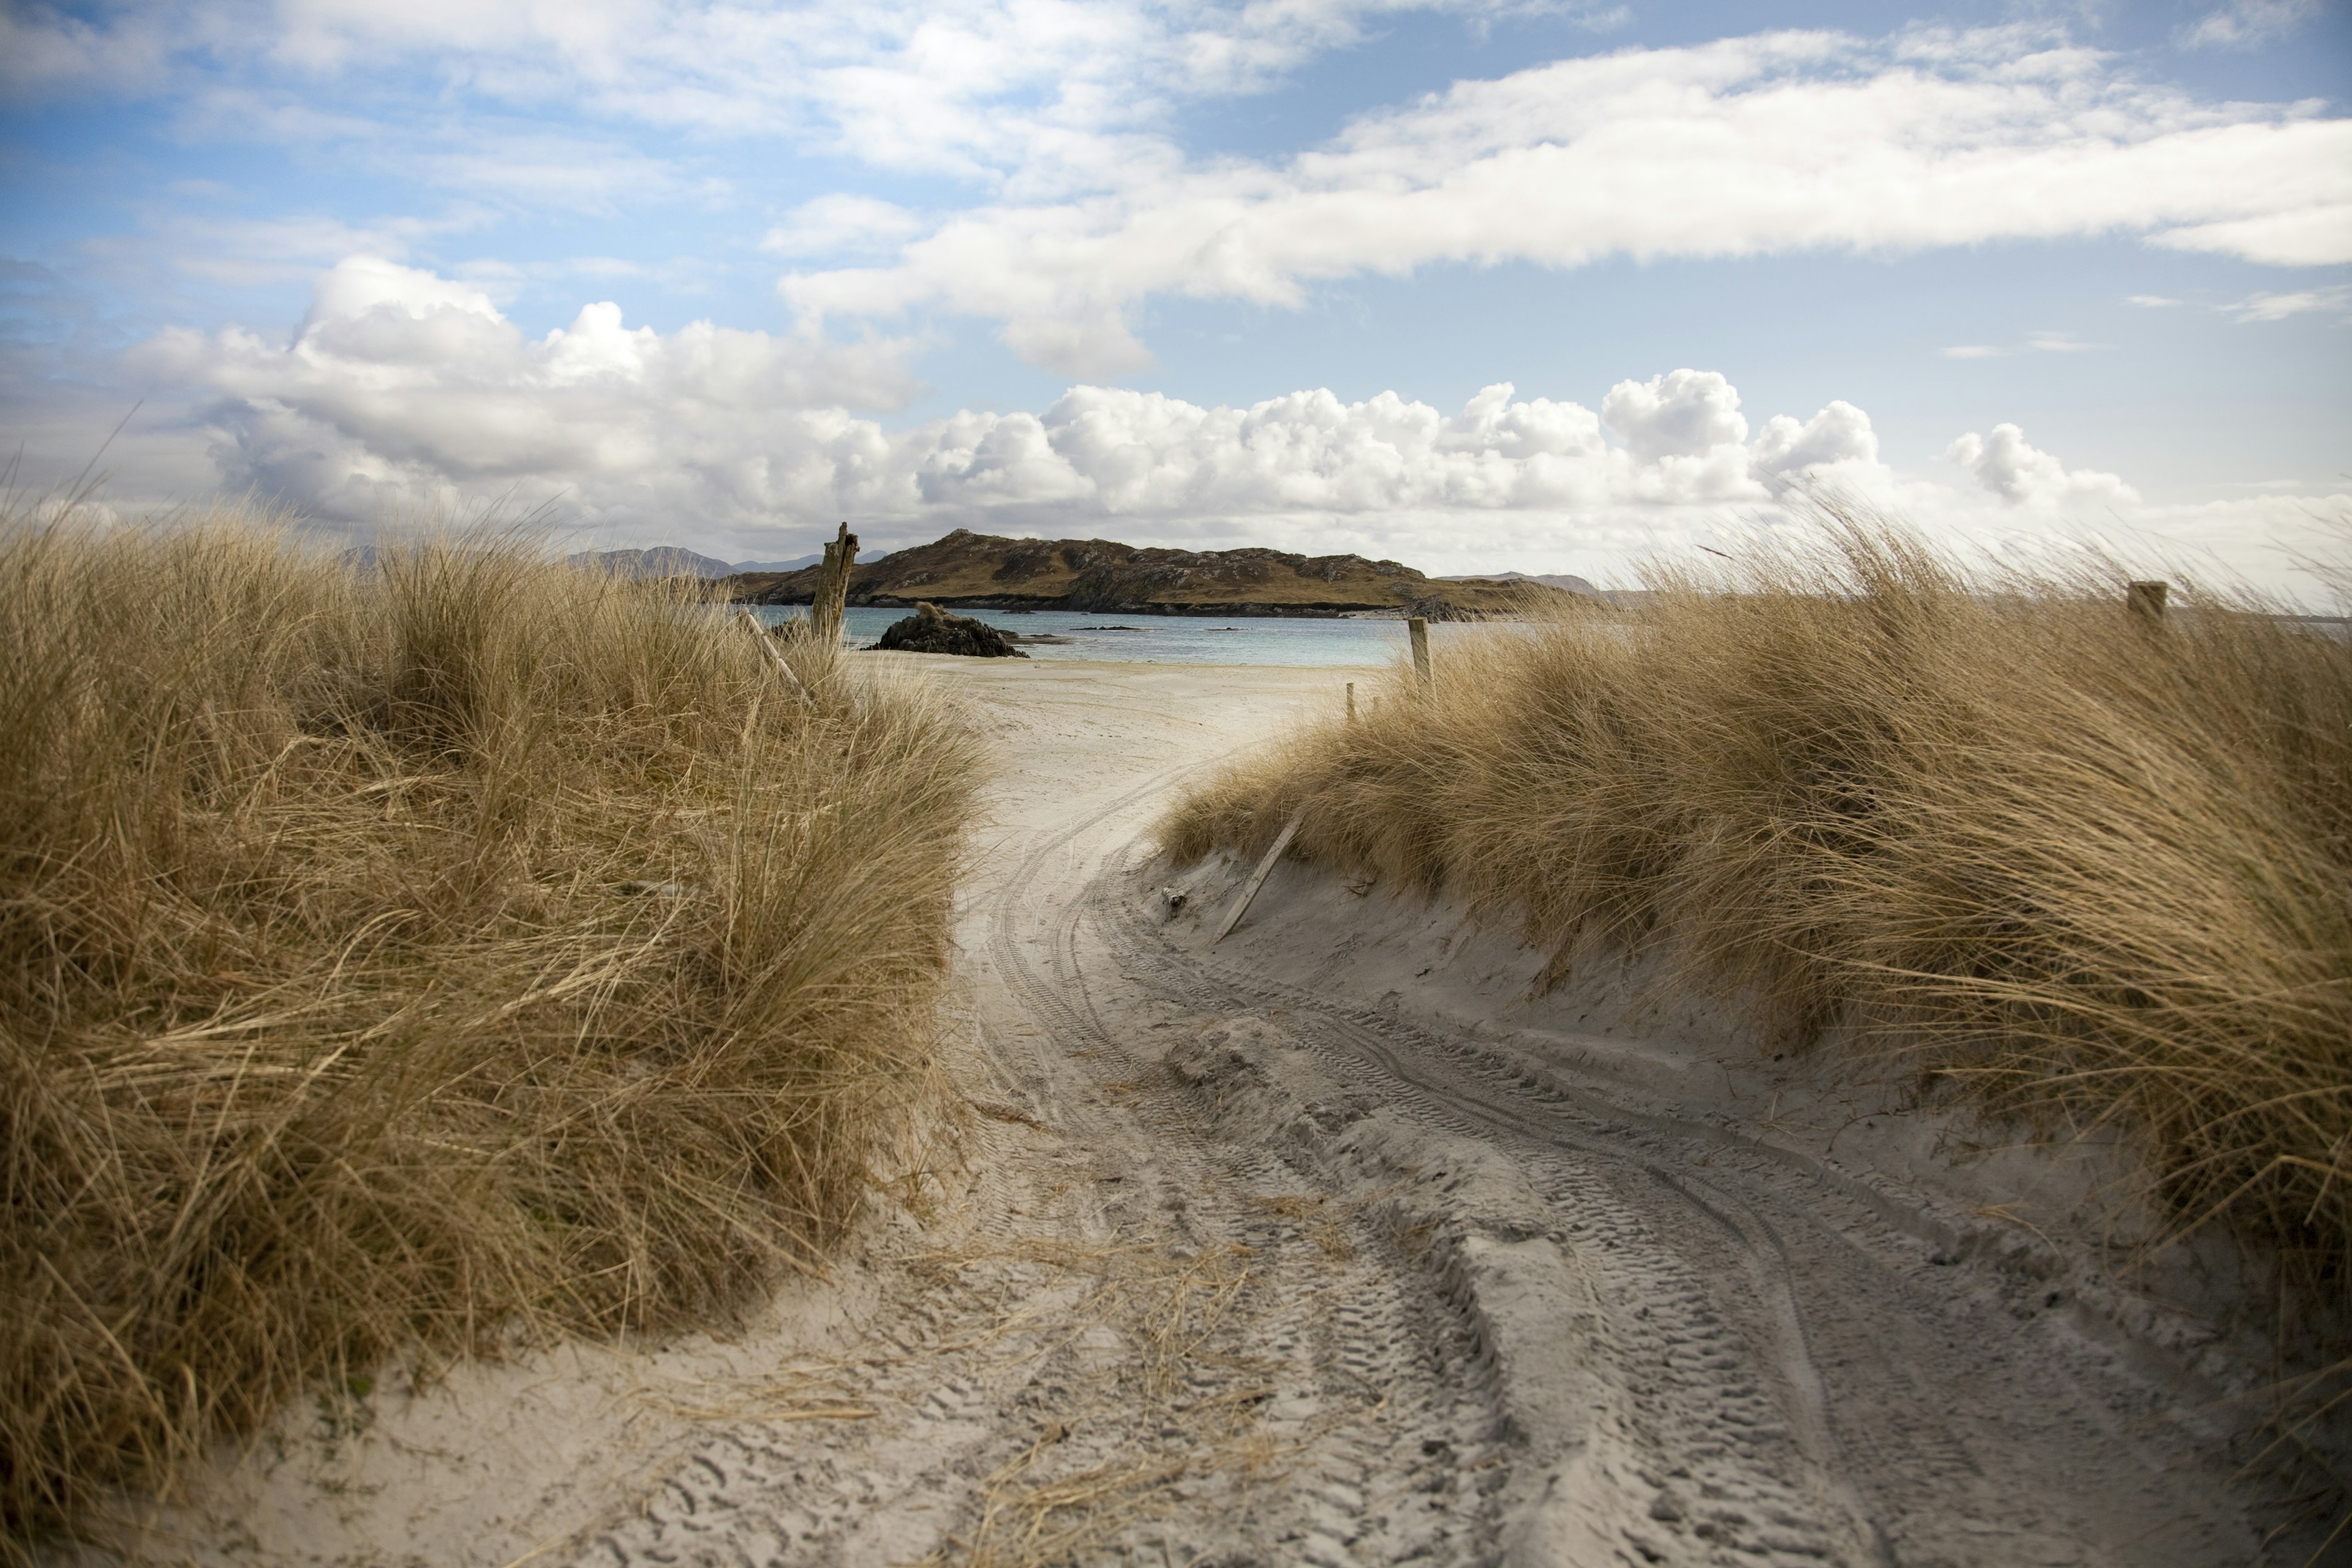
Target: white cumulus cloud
[
  {"x": 1838, "y": 442},
  {"x": 403, "y": 388},
  {"x": 1103, "y": 452},
  {"x": 2022, "y": 474}
]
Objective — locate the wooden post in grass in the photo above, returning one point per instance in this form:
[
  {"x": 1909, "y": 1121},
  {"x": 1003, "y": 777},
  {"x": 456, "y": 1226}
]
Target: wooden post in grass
[
  {"x": 832, "y": 589},
  {"x": 2148, "y": 599},
  {"x": 1351, "y": 702},
  {"x": 1423, "y": 678}
]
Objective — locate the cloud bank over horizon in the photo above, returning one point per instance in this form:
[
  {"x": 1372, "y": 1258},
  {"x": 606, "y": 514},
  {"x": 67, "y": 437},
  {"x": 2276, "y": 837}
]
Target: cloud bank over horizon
[{"x": 403, "y": 393}]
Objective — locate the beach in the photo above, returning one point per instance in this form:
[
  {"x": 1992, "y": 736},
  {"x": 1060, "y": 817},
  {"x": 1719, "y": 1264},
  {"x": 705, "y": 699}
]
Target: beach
[{"x": 1339, "y": 1242}]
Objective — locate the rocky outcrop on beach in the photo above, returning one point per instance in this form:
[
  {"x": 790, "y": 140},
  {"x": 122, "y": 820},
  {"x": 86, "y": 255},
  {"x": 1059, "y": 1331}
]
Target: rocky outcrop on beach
[
  {"x": 978, "y": 571},
  {"x": 933, "y": 631}
]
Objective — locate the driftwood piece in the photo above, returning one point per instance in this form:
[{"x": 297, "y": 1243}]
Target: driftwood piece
[
  {"x": 782, "y": 667},
  {"x": 1257, "y": 878}
]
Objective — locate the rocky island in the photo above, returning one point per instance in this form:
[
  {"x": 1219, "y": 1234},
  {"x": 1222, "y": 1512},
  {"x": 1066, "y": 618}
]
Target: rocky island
[{"x": 978, "y": 571}]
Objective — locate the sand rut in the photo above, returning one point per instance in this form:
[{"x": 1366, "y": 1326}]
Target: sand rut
[{"x": 1152, "y": 1342}]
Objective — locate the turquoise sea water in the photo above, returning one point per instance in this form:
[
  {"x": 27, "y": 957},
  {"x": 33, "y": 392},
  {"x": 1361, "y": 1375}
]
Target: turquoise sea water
[{"x": 1162, "y": 640}]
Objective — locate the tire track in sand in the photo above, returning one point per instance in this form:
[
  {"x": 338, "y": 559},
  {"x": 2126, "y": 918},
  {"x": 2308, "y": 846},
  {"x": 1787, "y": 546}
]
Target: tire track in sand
[
  {"x": 1247, "y": 1362},
  {"x": 1935, "y": 1419},
  {"x": 1261, "y": 1352}
]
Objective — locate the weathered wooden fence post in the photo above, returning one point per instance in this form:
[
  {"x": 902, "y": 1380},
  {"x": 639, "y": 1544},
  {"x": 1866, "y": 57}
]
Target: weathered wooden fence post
[
  {"x": 1351, "y": 702},
  {"x": 2147, "y": 598},
  {"x": 1424, "y": 677},
  {"x": 832, "y": 589}
]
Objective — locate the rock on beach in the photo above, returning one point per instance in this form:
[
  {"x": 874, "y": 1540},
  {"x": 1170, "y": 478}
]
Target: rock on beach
[{"x": 933, "y": 631}]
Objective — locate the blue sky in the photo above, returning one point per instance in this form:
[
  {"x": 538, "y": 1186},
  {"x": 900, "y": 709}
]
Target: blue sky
[{"x": 1195, "y": 272}]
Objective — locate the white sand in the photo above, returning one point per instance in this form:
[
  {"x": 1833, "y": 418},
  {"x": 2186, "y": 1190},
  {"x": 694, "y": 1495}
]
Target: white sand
[{"x": 1330, "y": 1245}]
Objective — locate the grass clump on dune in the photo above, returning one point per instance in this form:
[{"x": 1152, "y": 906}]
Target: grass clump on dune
[
  {"x": 2091, "y": 867},
  {"x": 392, "y": 956}
]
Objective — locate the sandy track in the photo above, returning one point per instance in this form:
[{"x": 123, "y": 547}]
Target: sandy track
[
  {"x": 1248, "y": 1259},
  {"x": 1310, "y": 1281},
  {"x": 1136, "y": 1337}
]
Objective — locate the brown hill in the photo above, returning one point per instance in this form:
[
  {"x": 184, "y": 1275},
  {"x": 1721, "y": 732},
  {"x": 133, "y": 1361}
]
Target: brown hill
[{"x": 978, "y": 571}]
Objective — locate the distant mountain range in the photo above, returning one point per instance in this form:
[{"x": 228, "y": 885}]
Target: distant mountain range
[
  {"x": 669, "y": 561},
  {"x": 662, "y": 560},
  {"x": 967, "y": 569}
]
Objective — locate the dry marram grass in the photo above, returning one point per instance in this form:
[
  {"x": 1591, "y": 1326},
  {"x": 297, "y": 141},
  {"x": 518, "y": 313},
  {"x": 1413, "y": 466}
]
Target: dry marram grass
[
  {"x": 392, "y": 956},
  {"x": 2094, "y": 867}
]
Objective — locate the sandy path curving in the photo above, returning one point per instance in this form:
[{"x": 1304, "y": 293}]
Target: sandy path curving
[
  {"x": 1267, "y": 1264},
  {"x": 1318, "y": 1248},
  {"x": 1134, "y": 1338}
]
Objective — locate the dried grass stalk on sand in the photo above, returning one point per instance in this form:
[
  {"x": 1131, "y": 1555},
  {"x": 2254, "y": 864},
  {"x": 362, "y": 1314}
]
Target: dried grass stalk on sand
[
  {"x": 2091, "y": 866},
  {"x": 398, "y": 956}
]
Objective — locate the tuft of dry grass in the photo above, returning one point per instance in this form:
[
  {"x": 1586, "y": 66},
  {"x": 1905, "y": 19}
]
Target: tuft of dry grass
[
  {"x": 409, "y": 956},
  {"x": 2092, "y": 868}
]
